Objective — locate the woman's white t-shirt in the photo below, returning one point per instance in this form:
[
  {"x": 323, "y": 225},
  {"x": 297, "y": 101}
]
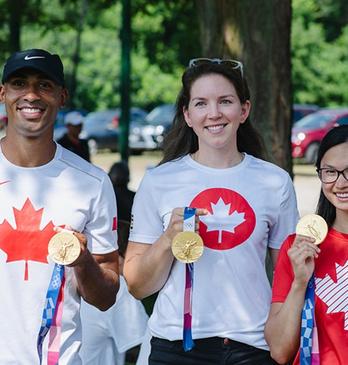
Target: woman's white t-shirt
[{"x": 252, "y": 206}]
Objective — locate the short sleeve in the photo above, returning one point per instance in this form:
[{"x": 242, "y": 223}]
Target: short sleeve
[
  {"x": 146, "y": 225},
  {"x": 287, "y": 217},
  {"x": 101, "y": 228},
  {"x": 283, "y": 275}
]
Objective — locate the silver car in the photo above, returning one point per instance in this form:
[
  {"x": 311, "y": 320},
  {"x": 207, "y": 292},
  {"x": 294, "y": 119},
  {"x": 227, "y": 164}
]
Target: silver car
[{"x": 148, "y": 135}]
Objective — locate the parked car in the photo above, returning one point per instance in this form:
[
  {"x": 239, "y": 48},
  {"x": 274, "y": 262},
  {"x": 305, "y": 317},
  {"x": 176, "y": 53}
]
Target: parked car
[
  {"x": 3, "y": 113},
  {"x": 310, "y": 130},
  {"x": 301, "y": 110},
  {"x": 101, "y": 128},
  {"x": 149, "y": 134},
  {"x": 3, "y": 120},
  {"x": 59, "y": 126}
]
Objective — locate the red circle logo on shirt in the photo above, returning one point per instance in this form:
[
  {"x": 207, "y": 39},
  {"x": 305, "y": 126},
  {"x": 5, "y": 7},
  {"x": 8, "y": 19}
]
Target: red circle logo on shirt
[{"x": 230, "y": 221}]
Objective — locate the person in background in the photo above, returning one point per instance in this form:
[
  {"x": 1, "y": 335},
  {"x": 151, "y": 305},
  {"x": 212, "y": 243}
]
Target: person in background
[
  {"x": 119, "y": 176},
  {"x": 241, "y": 206},
  {"x": 107, "y": 336},
  {"x": 300, "y": 258},
  {"x": 45, "y": 187},
  {"x": 74, "y": 122}
]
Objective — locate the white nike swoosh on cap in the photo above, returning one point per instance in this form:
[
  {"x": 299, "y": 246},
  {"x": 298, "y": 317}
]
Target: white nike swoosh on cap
[{"x": 32, "y": 57}]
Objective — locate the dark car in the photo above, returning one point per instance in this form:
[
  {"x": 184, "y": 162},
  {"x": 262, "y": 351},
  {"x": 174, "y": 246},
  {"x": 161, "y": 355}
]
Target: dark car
[
  {"x": 301, "y": 110},
  {"x": 149, "y": 134},
  {"x": 308, "y": 132},
  {"x": 101, "y": 128}
]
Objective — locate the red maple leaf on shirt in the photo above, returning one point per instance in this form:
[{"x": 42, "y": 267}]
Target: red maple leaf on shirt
[{"x": 26, "y": 242}]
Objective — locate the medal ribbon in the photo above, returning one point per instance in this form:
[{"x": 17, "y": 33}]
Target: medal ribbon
[
  {"x": 189, "y": 225},
  {"x": 309, "y": 346},
  {"x": 51, "y": 316}
]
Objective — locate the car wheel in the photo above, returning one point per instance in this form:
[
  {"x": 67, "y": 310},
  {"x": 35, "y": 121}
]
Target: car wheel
[
  {"x": 312, "y": 153},
  {"x": 93, "y": 146}
]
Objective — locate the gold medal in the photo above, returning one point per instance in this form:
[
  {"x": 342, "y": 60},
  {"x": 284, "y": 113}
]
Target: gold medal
[
  {"x": 314, "y": 226},
  {"x": 64, "y": 248},
  {"x": 187, "y": 247}
]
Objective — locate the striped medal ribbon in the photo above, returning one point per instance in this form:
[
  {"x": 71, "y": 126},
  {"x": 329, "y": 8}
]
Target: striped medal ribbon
[
  {"x": 309, "y": 346},
  {"x": 51, "y": 316},
  {"x": 189, "y": 225}
]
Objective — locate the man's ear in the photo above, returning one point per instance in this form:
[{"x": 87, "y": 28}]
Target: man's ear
[{"x": 64, "y": 96}]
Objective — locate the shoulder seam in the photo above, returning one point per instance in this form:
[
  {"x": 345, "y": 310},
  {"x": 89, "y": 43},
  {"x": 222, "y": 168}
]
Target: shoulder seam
[{"x": 83, "y": 171}]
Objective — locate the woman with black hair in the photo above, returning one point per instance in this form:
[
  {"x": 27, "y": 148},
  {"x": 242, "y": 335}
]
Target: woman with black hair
[
  {"x": 300, "y": 258},
  {"x": 211, "y": 180}
]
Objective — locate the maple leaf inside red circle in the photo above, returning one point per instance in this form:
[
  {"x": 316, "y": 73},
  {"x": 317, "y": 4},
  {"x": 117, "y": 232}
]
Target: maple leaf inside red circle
[{"x": 230, "y": 221}]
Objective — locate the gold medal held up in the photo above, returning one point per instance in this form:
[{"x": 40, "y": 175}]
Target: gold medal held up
[
  {"x": 187, "y": 247},
  {"x": 64, "y": 248},
  {"x": 314, "y": 226}
]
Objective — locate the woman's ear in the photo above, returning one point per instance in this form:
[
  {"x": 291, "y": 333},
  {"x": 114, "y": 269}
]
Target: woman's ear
[
  {"x": 187, "y": 116},
  {"x": 2, "y": 93},
  {"x": 245, "y": 111}
]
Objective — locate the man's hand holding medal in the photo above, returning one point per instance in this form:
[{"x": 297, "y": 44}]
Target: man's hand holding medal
[{"x": 67, "y": 247}]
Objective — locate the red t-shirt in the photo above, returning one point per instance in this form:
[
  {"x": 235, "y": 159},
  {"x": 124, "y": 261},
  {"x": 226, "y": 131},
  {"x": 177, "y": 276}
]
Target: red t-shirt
[{"x": 331, "y": 299}]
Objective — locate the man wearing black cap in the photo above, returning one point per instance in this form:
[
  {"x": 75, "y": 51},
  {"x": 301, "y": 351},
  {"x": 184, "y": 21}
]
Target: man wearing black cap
[{"x": 45, "y": 189}]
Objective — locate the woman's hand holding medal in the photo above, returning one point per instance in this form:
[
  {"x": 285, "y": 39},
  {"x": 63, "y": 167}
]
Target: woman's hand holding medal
[
  {"x": 187, "y": 245},
  {"x": 176, "y": 223},
  {"x": 311, "y": 230}
]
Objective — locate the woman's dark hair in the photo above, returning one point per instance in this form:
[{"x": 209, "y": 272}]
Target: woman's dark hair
[
  {"x": 333, "y": 138},
  {"x": 182, "y": 140}
]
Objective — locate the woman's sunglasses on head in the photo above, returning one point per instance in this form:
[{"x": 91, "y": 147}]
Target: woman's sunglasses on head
[{"x": 202, "y": 61}]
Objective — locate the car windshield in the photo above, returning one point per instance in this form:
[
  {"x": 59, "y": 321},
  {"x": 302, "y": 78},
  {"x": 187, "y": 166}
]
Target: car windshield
[
  {"x": 161, "y": 114},
  {"x": 95, "y": 118},
  {"x": 313, "y": 121}
]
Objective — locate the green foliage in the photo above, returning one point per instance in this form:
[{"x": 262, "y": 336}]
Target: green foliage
[
  {"x": 165, "y": 36},
  {"x": 156, "y": 70},
  {"x": 319, "y": 66},
  {"x": 99, "y": 67},
  {"x": 168, "y": 31}
]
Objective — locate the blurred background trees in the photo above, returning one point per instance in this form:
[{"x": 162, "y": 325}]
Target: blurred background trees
[{"x": 166, "y": 34}]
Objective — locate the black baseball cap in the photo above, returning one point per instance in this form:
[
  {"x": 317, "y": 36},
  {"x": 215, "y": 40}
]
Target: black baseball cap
[{"x": 38, "y": 59}]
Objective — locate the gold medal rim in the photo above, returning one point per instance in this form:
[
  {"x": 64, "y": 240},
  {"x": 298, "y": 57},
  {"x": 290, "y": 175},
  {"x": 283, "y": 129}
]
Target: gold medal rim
[
  {"x": 322, "y": 224},
  {"x": 200, "y": 244},
  {"x": 51, "y": 245}
]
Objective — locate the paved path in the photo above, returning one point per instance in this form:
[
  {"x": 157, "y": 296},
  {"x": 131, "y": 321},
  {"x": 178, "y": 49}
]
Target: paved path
[{"x": 307, "y": 190}]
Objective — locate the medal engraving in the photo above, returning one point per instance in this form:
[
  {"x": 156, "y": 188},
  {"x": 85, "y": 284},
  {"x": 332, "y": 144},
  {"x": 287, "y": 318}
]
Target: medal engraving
[
  {"x": 64, "y": 248},
  {"x": 187, "y": 247},
  {"x": 314, "y": 226}
]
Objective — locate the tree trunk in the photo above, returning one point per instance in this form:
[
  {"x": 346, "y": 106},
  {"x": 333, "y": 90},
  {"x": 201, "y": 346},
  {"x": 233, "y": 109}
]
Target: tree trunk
[
  {"x": 76, "y": 56},
  {"x": 210, "y": 17},
  {"x": 15, "y": 16},
  {"x": 258, "y": 33}
]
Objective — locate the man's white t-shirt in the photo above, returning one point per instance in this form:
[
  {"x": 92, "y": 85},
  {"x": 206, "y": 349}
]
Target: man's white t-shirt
[
  {"x": 251, "y": 206},
  {"x": 65, "y": 191}
]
